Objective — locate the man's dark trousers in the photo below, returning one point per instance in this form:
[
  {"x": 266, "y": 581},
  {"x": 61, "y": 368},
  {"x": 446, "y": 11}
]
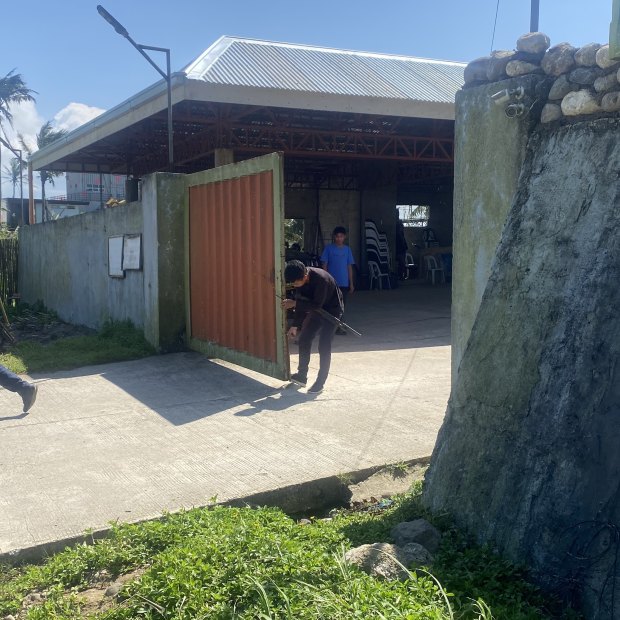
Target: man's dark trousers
[
  {"x": 313, "y": 324},
  {"x": 12, "y": 382}
]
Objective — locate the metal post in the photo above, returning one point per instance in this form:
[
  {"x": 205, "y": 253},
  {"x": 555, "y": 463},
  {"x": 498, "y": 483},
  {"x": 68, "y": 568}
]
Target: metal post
[
  {"x": 534, "y": 15},
  {"x": 170, "y": 134},
  {"x": 120, "y": 29},
  {"x": 31, "y": 212},
  {"x": 21, "y": 187}
]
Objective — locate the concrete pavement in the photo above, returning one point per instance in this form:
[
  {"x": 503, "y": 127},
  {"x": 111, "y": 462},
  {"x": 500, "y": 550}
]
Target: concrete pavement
[{"x": 130, "y": 440}]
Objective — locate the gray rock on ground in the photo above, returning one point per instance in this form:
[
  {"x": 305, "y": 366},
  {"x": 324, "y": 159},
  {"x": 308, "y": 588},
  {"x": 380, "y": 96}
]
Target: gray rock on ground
[
  {"x": 419, "y": 531},
  {"x": 611, "y": 102},
  {"x": 603, "y": 60},
  {"x": 496, "y": 68},
  {"x": 551, "y": 112},
  {"x": 586, "y": 56},
  {"x": 476, "y": 70},
  {"x": 585, "y": 76},
  {"x": 561, "y": 87},
  {"x": 606, "y": 82},
  {"x": 580, "y": 102},
  {"x": 378, "y": 559},
  {"x": 559, "y": 59},
  {"x": 112, "y": 590},
  {"x": 516, "y": 68},
  {"x": 533, "y": 42}
]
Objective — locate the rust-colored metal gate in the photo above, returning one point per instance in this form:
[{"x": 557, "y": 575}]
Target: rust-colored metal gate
[{"x": 234, "y": 262}]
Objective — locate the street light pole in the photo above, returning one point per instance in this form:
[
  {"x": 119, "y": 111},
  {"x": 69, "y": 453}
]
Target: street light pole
[
  {"x": 534, "y": 15},
  {"x": 19, "y": 154},
  {"x": 120, "y": 29}
]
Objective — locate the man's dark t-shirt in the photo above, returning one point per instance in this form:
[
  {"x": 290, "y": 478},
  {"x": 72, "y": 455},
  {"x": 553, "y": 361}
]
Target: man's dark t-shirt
[{"x": 321, "y": 291}]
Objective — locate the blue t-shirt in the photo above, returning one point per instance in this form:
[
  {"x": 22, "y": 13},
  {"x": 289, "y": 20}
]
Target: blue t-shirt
[{"x": 338, "y": 259}]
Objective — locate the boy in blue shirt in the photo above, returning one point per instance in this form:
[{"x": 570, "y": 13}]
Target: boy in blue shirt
[{"x": 337, "y": 259}]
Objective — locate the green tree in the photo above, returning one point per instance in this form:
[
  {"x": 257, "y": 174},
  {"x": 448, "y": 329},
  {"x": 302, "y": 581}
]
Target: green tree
[
  {"x": 11, "y": 172},
  {"x": 13, "y": 89},
  {"x": 46, "y": 136}
]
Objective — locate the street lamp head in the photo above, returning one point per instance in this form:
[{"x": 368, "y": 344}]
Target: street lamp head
[{"x": 113, "y": 22}]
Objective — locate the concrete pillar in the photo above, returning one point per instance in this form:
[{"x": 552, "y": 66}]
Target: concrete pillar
[
  {"x": 223, "y": 157},
  {"x": 489, "y": 152},
  {"x": 163, "y": 202}
]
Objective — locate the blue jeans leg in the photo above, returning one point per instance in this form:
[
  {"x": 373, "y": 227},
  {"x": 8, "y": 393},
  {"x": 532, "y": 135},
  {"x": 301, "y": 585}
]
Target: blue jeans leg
[{"x": 12, "y": 382}]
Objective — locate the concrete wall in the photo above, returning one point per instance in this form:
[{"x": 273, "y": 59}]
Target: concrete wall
[
  {"x": 489, "y": 152},
  {"x": 64, "y": 263},
  {"x": 527, "y": 458},
  {"x": 333, "y": 207}
]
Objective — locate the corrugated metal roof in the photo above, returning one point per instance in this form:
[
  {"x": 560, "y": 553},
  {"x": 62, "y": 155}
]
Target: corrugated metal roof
[{"x": 288, "y": 67}]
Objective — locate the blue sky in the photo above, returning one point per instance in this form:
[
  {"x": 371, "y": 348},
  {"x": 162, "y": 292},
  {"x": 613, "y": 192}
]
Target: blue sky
[{"x": 70, "y": 55}]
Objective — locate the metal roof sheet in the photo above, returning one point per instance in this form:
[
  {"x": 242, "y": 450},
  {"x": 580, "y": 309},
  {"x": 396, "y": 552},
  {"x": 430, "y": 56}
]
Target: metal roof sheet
[{"x": 288, "y": 67}]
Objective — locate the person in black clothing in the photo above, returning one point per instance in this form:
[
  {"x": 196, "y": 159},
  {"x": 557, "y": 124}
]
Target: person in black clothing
[
  {"x": 314, "y": 289},
  {"x": 11, "y": 382}
]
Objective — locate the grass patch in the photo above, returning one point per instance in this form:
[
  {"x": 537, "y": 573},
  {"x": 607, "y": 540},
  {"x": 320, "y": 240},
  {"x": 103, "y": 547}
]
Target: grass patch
[
  {"x": 117, "y": 341},
  {"x": 239, "y": 563}
]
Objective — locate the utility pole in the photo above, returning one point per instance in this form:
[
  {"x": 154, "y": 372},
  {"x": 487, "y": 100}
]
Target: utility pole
[
  {"x": 534, "y": 15},
  {"x": 614, "y": 31}
]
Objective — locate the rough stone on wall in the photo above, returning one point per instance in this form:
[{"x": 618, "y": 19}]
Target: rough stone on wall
[
  {"x": 515, "y": 68},
  {"x": 586, "y": 56},
  {"x": 611, "y": 102},
  {"x": 580, "y": 102},
  {"x": 574, "y": 70},
  {"x": 558, "y": 59},
  {"x": 606, "y": 82},
  {"x": 603, "y": 60},
  {"x": 527, "y": 458},
  {"x": 533, "y": 43},
  {"x": 496, "y": 68},
  {"x": 585, "y": 76},
  {"x": 550, "y": 112},
  {"x": 561, "y": 87},
  {"x": 476, "y": 70}
]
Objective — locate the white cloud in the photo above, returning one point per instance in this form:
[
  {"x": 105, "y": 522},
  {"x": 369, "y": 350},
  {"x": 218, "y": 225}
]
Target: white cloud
[
  {"x": 27, "y": 121},
  {"x": 75, "y": 114}
]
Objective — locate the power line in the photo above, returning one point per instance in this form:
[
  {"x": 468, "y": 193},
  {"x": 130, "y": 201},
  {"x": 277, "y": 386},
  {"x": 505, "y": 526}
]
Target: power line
[{"x": 494, "y": 25}]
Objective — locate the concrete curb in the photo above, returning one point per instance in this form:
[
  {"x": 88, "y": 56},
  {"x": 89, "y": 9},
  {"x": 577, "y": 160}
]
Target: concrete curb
[{"x": 295, "y": 499}]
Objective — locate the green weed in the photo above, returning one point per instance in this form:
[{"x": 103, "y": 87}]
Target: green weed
[
  {"x": 117, "y": 341},
  {"x": 240, "y": 563}
]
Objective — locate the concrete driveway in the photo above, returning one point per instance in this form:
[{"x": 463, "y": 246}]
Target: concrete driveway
[{"x": 131, "y": 440}]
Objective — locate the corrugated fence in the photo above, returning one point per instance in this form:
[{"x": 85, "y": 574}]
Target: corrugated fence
[
  {"x": 8, "y": 267},
  {"x": 232, "y": 279}
]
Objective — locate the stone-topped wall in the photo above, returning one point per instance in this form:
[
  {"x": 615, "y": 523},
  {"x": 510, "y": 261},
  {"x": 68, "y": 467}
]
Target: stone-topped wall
[{"x": 587, "y": 80}]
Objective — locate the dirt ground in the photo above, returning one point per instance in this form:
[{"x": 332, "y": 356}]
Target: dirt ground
[{"x": 36, "y": 325}]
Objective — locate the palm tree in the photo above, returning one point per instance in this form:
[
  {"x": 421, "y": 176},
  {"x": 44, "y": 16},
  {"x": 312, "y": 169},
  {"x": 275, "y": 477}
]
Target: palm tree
[
  {"x": 12, "y": 173},
  {"x": 13, "y": 89},
  {"x": 47, "y": 134}
]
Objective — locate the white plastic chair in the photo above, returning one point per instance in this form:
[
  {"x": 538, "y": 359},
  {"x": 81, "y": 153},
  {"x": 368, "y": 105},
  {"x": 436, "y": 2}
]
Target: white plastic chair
[
  {"x": 409, "y": 265},
  {"x": 375, "y": 274},
  {"x": 433, "y": 266}
]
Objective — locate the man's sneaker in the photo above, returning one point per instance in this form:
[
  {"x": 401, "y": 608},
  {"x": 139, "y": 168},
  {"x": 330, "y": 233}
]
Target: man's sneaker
[
  {"x": 317, "y": 388},
  {"x": 299, "y": 379},
  {"x": 29, "y": 397}
]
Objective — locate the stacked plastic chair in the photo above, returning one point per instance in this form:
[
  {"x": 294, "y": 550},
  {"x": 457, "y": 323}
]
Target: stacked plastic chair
[{"x": 377, "y": 253}]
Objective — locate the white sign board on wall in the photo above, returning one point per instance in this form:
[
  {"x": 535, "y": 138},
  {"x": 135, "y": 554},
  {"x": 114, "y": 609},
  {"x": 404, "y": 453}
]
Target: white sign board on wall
[
  {"x": 115, "y": 257},
  {"x": 132, "y": 252}
]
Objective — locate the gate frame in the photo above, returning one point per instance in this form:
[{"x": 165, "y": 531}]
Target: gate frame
[{"x": 280, "y": 369}]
